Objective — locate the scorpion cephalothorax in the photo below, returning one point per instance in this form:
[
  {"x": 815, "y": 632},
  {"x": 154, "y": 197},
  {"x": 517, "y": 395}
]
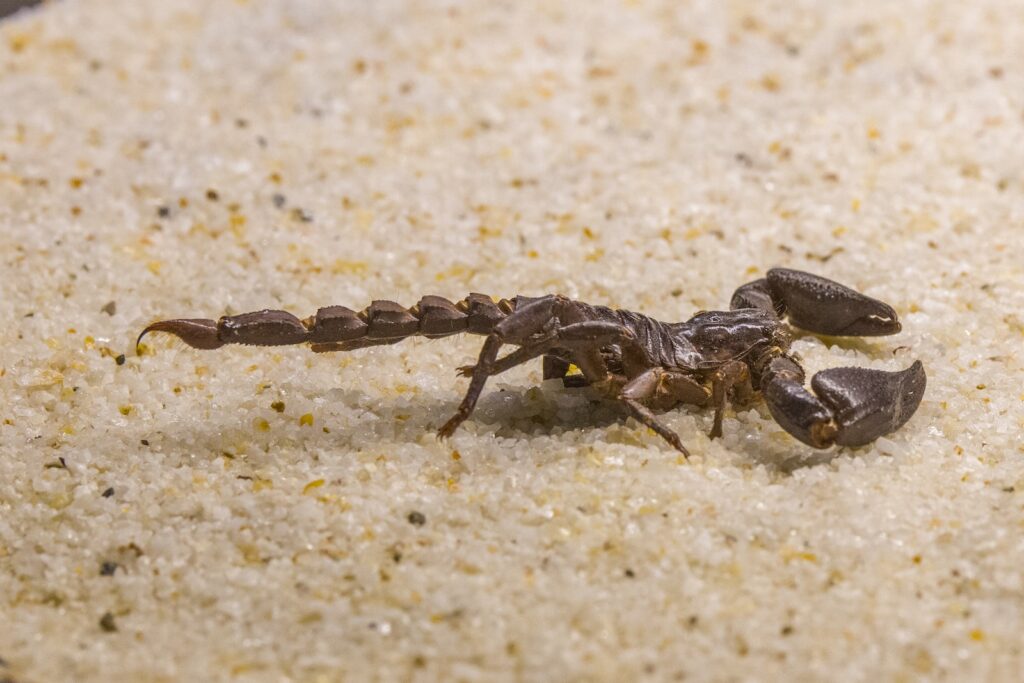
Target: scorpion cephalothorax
[{"x": 644, "y": 363}]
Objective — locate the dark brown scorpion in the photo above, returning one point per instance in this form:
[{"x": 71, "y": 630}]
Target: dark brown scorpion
[{"x": 644, "y": 363}]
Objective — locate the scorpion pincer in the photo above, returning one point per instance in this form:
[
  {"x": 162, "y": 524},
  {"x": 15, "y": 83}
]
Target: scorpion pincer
[{"x": 644, "y": 363}]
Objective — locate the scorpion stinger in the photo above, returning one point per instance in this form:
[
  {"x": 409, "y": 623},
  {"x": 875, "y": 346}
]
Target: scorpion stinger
[{"x": 643, "y": 363}]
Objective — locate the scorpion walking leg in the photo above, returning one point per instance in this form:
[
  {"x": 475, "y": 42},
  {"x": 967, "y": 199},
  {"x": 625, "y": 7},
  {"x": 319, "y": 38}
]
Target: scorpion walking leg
[
  {"x": 537, "y": 316},
  {"x": 517, "y": 357},
  {"x": 476, "y": 386},
  {"x": 641, "y": 388},
  {"x": 588, "y": 332},
  {"x": 732, "y": 374},
  {"x": 585, "y": 341}
]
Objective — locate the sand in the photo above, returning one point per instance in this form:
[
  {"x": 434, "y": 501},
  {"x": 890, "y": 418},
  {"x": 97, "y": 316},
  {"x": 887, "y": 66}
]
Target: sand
[{"x": 269, "y": 514}]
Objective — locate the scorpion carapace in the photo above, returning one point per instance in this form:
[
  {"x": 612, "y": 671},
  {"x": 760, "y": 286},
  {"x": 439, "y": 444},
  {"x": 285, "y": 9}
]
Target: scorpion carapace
[{"x": 643, "y": 363}]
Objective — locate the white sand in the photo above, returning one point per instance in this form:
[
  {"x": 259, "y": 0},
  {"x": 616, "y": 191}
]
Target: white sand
[{"x": 644, "y": 155}]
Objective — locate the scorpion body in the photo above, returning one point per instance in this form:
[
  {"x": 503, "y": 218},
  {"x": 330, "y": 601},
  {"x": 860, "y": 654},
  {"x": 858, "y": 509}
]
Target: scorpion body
[{"x": 642, "y": 362}]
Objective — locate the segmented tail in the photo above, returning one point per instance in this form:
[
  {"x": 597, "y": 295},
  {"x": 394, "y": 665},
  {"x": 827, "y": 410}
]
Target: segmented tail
[{"x": 338, "y": 328}]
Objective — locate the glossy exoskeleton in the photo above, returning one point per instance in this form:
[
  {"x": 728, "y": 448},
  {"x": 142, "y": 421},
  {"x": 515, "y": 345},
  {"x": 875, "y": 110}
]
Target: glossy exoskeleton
[{"x": 644, "y": 363}]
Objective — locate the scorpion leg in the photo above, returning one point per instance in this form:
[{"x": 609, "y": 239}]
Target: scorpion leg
[
  {"x": 641, "y": 388},
  {"x": 731, "y": 374},
  {"x": 585, "y": 341},
  {"x": 521, "y": 355},
  {"x": 582, "y": 333},
  {"x": 849, "y": 406},
  {"x": 536, "y": 317},
  {"x": 586, "y": 333},
  {"x": 481, "y": 371},
  {"x": 817, "y": 304}
]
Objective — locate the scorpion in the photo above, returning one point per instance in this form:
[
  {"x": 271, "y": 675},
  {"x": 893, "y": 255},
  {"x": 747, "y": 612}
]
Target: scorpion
[{"x": 644, "y": 363}]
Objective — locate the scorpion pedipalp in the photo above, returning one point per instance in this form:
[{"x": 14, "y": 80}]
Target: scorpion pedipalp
[
  {"x": 823, "y": 306},
  {"x": 817, "y": 304},
  {"x": 849, "y": 406},
  {"x": 866, "y": 403}
]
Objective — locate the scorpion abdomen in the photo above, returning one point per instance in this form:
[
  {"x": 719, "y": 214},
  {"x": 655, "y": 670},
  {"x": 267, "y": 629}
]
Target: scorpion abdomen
[{"x": 660, "y": 342}]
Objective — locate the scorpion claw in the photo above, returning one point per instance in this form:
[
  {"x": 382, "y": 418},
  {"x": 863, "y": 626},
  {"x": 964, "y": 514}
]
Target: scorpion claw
[
  {"x": 867, "y": 404},
  {"x": 465, "y": 370},
  {"x": 827, "y": 307},
  {"x": 448, "y": 428},
  {"x": 199, "y": 333},
  {"x": 817, "y": 304},
  {"x": 849, "y": 406}
]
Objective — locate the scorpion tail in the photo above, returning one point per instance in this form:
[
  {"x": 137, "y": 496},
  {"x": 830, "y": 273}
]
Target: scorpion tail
[
  {"x": 337, "y": 328},
  {"x": 818, "y": 304}
]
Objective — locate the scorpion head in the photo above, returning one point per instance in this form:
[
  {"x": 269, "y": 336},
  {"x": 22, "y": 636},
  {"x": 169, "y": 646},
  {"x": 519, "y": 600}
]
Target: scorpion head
[{"x": 733, "y": 334}]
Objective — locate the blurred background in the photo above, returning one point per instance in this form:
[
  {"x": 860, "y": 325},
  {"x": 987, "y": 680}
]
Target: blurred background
[{"x": 12, "y": 6}]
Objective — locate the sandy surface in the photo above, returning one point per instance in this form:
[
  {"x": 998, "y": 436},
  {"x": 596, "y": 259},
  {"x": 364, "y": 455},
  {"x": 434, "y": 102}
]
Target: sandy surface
[{"x": 275, "y": 515}]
